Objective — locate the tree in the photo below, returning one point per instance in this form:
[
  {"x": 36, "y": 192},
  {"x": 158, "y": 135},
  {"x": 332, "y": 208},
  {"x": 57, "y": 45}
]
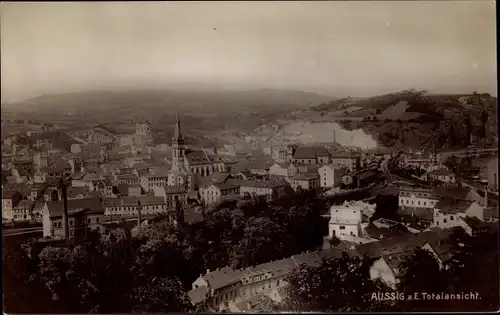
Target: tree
[
  {"x": 16, "y": 198},
  {"x": 336, "y": 285},
  {"x": 422, "y": 273}
]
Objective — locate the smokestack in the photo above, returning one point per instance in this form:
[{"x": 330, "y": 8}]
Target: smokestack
[
  {"x": 65, "y": 213},
  {"x": 139, "y": 214},
  {"x": 486, "y": 197}
]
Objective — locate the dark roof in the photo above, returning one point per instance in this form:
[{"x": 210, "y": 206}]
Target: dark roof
[
  {"x": 122, "y": 189},
  {"x": 75, "y": 191},
  {"x": 262, "y": 184},
  {"x": 133, "y": 201},
  {"x": 193, "y": 215},
  {"x": 198, "y": 295},
  {"x": 221, "y": 277},
  {"x": 453, "y": 192},
  {"x": 224, "y": 186},
  {"x": 309, "y": 259},
  {"x": 306, "y": 176},
  {"x": 332, "y": 253},
  {"x": 132, "y": 177},
  {"x": 259, "y": 165},
  {"x": 56, "y": 208},
  {"x": 453, "y": 206},
  {"x": 426, "y": 214},
  {"x": 474, "y": 222},
  {"x": 201, "y": 157},
  {"x": 310, "y": 152}
]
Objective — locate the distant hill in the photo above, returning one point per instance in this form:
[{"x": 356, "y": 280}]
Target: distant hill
[
  {"x": 169, "y": 99},
  {"x": 415, "y": 118},
  {"x": 203, "y": 110},
  {"x": 404, "y": 119}
]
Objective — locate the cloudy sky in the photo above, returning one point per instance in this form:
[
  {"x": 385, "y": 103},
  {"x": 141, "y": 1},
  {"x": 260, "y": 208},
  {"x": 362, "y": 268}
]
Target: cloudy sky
[{"x": 337, "y": 48}]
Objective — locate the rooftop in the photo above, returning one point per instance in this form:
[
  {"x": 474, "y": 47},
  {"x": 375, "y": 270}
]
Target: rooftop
[
  {"x": 304, "y": 152},
  {"x": 133, "y": 201},
  {"x": 56, "y": 208},
  {"x": 453, "y": 206}
]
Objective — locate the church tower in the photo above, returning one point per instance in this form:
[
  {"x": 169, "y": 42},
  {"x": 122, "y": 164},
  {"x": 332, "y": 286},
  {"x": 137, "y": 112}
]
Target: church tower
[
  {"x": 178, "y": 146},
  {"x": 179, "y": 175}
]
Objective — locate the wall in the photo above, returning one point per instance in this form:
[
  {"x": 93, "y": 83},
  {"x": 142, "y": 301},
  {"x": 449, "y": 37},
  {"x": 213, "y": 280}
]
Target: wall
[
  {"x": 327, "y": 176},
  {"x": 344, "y": 231},
  {"x": 278, "y": 170}
]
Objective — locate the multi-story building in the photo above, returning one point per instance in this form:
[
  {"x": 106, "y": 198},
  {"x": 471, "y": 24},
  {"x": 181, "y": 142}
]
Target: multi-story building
[
  {"x": 347, "y": 161},
  {"x": 172, "y": 195},
  {"x": 129, "y": 206},
  {"x": 327, "y": 176},
  {"x": 413, "y": 196},
  {"x": 219, "y": 191},
  {"x": 83, "y": 215},
  {"x": 130, "y": 179},
  {"x": 309, "y": 155},
  {"x": 345, "y": 222},
  {"x": 450, "y": 212},
  {"x": 305, "y": 181},
  {"x": 7, "y": 204},
  {"x": 443, "y": 175},
  {"x": 225, "y": 288},
  {"x": 149, "y": 181},
  {"x": 101, "y": 135},
  {"x": 262, "y": 188},
  {"x": 27, "y": 210}
]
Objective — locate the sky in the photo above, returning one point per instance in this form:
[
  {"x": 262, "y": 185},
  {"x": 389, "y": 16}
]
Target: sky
[{"x": 342, "y": 48}]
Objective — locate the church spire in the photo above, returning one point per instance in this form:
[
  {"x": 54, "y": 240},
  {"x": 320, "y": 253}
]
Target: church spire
[{"x": 177, "y": 131}]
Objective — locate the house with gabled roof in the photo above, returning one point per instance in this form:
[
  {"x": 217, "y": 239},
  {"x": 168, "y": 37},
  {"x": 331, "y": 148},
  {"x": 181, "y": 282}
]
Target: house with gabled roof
[
  {"x": 215, "y": 192},
  {"x": 449, "y": 212},
  {"x": 310, "y": 155},
  {"x": 280, "y": 169}
]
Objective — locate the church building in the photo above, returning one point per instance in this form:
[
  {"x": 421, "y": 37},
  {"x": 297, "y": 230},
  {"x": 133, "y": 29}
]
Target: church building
[{"x": 187, "y": 164}]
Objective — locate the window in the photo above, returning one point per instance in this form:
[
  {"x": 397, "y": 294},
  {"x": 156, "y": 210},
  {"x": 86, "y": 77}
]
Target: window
[
  {"x": 70, "y": 222},
  {"x": 444, "y": 221},
  {"x": 425, "y": 203},
  {"x": 55, "y": 223},
  {"x": 342, "y": 227},
  {"x": 452, "y": 218},
  {"x": 97, "y": 220},
  {"x": 88, "y": 220}
]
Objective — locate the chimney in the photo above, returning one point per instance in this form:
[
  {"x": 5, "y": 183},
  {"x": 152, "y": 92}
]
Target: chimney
[
  {"x": 486, "y": 197},
  {"x": 208, "y": 271}
]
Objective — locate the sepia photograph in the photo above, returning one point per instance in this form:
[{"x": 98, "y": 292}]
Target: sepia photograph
[{"x": 249, "y": 157}]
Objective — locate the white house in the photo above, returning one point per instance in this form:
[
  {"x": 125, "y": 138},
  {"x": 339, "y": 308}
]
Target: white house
[
  {"x": 345, "y": 221},
  {"x": 327, "y": 175},
  {"x": 449, "y": 212},
  {"x": 410, "y": 196},
  {"x": 130, "y": 205},
  {"x": 213, "y": 193},
  {"x": 305, "y": 181}
]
